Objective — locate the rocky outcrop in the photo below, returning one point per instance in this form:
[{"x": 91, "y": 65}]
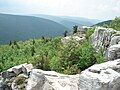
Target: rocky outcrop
[
  {"x": 38, "y": 80},
  {"x": 108, "y": 40},
  {"x": 15, "y": 78},
  {"x": 75, "y": 38},
  {"x": 105, "y": 76},
  {"x": 113, "y": 52},
  {"x": 101, "y": 38},
  {"x": 50, "y": 80}
]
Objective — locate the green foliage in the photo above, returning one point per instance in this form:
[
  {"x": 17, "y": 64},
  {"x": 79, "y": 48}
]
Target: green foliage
[
  {"x": 99, "y": 56},
  {"x": 89, "y": 32},
  {"x": 50, "y": 54},
  {"x": 116, "y": 24},
  {"x": 86, "y": 56}
]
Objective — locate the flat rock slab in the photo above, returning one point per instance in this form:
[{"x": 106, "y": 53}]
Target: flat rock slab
[{"x": 104, "y": 76}]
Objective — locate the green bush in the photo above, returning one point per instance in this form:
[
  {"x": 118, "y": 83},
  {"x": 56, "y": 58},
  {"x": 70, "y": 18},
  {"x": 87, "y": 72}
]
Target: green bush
[
  {"x": 89, "y": 32},
  {"x": 86, "y": 56}
]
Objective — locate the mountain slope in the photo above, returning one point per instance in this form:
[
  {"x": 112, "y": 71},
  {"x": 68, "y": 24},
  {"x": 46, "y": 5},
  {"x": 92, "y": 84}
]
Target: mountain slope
[
  {"x": 103, "y": 23},
  {"x": 15, "y": 27},
  {"x": 69, "y": 21}
]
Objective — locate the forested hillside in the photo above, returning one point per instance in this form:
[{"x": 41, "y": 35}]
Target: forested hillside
[{"x": 16, "y": 27}]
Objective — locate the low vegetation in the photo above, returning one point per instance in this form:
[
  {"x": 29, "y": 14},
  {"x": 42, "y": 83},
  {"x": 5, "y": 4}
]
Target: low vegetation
[{"x": 50, "y": 54}]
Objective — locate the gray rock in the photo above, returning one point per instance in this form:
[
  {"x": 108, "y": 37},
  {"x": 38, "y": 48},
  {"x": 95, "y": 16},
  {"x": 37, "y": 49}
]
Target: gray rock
[
  {"x": 113, "y": 52},
  {"x": 101, "y": 38},
  {"x": 36, "y": 80},
  {"x": 105, "y": 76},
  {"x": 17, "y": 69},
  {"x": 115, "y": 40},
  {"x": 4, "y": 86},
  {"x": 8, "y": 74},
  {"x": 75, "y": 38},
  {"x": 20, "y": 82},
  {"x": 50, "y": 80},
  {"x": 27, "y": 68}
]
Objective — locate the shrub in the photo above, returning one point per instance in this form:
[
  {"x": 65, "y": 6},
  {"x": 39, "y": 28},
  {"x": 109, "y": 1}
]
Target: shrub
[
  {"x": 86, "y": 56},
  {"x": 89, "y": 32}
]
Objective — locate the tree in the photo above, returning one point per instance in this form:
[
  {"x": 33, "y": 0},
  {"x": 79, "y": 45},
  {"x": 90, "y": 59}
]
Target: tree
[
  {"x": 16, "y": 44},
  {"x": 32, "y": 51},
  {"x": 116, "y": 23},
  {"x": 33, "y": 41},
  {"x": 75, "y": 29},
  {"x": 10, "y": 43},
  {"x": 65, "y": 33},
  {"x": 43, "y": 37}
]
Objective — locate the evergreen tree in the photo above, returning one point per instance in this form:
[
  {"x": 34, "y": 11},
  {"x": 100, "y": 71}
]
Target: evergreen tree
[
  {"x": 33, "y": 42},
  {"x": 75, "y": 29},
  {"x": 10, "y": 43},
  {"x": 65, "y": 33},
  {"x": 32, "y": 51}
]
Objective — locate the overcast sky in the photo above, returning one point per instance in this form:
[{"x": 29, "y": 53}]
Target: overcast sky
[{"x": 98, "y": 9}]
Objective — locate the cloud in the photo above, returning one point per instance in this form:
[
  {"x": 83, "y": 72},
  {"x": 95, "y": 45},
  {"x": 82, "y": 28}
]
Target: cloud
[{"x": 102, "y": 9}]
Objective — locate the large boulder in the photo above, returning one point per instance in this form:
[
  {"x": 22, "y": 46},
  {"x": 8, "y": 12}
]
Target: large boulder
[
  {"x": 105, "y": 76},
  {"x": 50, "y": 80},
  {"x": 113, "y": 52},
  {"x": 115, "y": 40},
  {"x": 36, "y": 81},
  {"x": 101, "y": 37},
  {"x": 16, "y": 70}
]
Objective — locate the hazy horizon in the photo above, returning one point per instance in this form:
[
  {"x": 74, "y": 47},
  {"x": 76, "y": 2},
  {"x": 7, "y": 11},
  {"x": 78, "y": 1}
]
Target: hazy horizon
[{"x": 92, "y": 9}]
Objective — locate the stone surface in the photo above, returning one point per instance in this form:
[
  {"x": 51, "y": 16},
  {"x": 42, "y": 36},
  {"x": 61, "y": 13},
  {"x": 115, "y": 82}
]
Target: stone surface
[
  {"x": 17, "y": 69},
  {"x": 101, "y": 38},
  {"x": 7, "y": 74},
  {"x": 36, "y": 80},
  {"x": 75, "y": 38},
  {"x": 115, "y": 40},
  {"x": 19, "y": 83},
  {"x": 27, "y": 68},
  {"x": 105, "y": 76},
  {"x": 113, "y": 52},
  {"x": 50, "y": 80}
]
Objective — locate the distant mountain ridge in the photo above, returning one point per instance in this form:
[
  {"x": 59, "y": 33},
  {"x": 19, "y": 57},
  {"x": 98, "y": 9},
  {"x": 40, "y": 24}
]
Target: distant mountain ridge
[
  {"x": 69, "y": 21},
  {"x": 103, "y": 23},
  {"x": 17, "y": 27}
]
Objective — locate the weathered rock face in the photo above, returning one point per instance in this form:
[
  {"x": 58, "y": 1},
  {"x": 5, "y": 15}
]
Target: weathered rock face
[
  {"x": 108, "y": 40},
  {"x": 101, "y": 37},
  {"x": 104, "y": 76},
  {"x": 15, "y": 78},
  {"x": 50, "y": 80},
  {"x": 115, "y": 40},
  {"x": 38, "y": 80},
  {"x": 113, "y": 52}
]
